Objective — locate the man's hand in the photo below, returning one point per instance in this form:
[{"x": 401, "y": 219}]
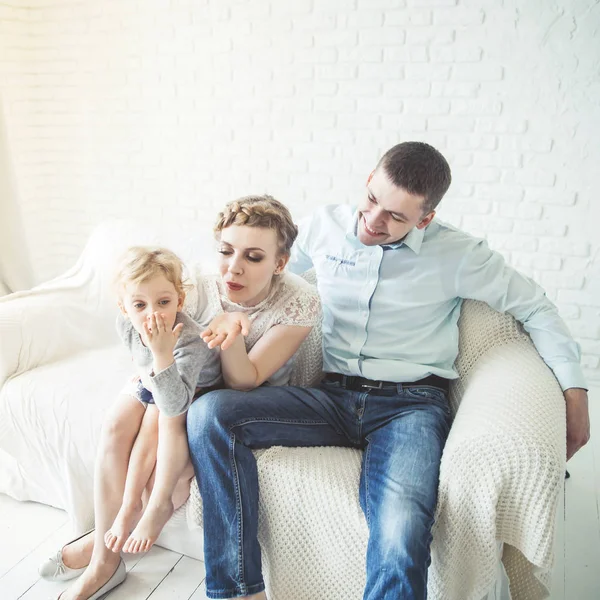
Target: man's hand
[
  {"x": 578, "y": 420},
  {"x": 224, "y": 329},
  {"x": 159, "y": 338}
]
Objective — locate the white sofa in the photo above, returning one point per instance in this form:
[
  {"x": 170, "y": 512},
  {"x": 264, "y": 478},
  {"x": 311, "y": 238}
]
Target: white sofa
[{"x": 61, "y": 366}]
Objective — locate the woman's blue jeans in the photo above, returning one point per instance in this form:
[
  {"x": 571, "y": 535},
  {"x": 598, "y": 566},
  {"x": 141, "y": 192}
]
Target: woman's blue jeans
[{"x": 402, "y": 431}]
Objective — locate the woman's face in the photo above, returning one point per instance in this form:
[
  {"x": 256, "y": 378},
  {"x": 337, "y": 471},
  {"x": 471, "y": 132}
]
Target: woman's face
[{"x": 248, "y": 259}]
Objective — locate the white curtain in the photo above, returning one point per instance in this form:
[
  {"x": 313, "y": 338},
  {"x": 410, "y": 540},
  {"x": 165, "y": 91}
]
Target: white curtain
[{"x": 15, "y": 265}]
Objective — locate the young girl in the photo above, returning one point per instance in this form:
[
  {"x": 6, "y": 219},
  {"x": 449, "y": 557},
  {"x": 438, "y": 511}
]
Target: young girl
[{"x": 173, "y": 367}]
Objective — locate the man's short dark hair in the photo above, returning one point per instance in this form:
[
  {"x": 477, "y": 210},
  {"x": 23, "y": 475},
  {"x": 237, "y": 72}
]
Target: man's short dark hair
[{"x": 419, "y": 169}]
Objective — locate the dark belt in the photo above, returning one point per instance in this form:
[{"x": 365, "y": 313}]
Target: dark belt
[{"x": 353, "y": 382}]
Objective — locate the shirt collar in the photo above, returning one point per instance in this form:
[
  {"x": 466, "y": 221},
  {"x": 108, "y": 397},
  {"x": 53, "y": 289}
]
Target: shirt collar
[
  {"x": 352, "y": 226},
  {"x": 413, "y": 239}
]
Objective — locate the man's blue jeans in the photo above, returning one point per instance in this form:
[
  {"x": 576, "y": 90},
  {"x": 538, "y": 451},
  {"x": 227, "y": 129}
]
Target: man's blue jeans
[{"x": 402, "y": 431}]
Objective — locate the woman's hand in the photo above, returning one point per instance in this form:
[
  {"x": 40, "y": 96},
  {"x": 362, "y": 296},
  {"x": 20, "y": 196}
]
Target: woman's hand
[
  {"x": 224, "y": 329},
  {"x": 159, "y": 338}
]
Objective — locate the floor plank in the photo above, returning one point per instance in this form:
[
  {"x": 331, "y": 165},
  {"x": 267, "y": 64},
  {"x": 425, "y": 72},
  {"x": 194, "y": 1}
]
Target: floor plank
[
  {"x": 182, "y": 581},
  {"x": 42, "y": 519},
  {"x": 595, "y": 445},
  {"x": 582, "y": 525},
  {"x": 23, "y": 575},
  {"x": 200, "y": 593},
  {"x": 45, "y": 590},
  {"x": 146, "y": 575}
]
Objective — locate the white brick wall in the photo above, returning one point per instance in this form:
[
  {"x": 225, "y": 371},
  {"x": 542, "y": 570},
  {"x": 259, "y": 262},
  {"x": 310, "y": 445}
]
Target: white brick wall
[{"x": 166, "y": 109}]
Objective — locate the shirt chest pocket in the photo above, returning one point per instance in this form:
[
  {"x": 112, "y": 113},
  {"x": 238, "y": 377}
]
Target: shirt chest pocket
[
  {"x": 336, "y": 265},
  {"x": 340, "y": 280}
]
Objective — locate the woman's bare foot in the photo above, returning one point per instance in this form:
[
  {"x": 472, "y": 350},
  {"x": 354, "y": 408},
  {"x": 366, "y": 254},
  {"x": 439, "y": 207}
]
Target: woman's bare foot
[
  {"x": 124, "y": 522},
  {"x": 148, "y": 529},
  {"x": 92, "y": 580},
  {"x": 78, "y": 554}
]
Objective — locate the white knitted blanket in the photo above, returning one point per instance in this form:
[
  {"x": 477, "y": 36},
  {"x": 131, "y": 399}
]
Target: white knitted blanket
[{"x": 501, "y": 472}]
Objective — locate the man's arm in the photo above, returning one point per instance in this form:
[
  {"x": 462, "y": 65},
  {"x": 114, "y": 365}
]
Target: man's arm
[
  {"x": 578, "y": 420},
  {"x": 484, "y": 275}
]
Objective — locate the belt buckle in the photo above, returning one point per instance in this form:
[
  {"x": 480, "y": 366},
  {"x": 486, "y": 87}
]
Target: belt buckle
[{"x": 372, "y": 387}]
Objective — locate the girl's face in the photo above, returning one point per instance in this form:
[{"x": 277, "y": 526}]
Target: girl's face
[
  {"x": 249, "y": 257},
  {"x": 158, "y": 295}
]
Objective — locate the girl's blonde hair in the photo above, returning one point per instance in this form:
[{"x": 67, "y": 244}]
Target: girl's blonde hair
[
  {"x": 260, "y": 211},
  {"x": 141, "y": 263}
]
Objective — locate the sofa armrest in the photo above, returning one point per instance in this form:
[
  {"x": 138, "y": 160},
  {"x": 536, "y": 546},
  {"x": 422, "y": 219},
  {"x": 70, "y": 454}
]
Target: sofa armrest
[
  {"x": 54, "y": 320},
  {"x": 501, "y": 470},
  {"x": 76, "y": 311}
]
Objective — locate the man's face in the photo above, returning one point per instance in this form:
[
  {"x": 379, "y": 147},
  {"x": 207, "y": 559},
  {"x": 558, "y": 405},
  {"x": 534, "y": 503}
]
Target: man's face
[{"x": 388, "y": 212}]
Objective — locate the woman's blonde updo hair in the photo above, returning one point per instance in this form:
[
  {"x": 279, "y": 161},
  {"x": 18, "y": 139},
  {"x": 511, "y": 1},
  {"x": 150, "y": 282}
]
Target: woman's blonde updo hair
[
  {"x": 141, "y": 263},
  {"x": 260, "y": 211}
]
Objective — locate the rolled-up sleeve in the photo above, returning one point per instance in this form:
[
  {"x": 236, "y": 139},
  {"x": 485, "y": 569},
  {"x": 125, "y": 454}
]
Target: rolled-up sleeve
[
  {"x": 484, "y": 275},
  {"x": 195, "y": 365}
]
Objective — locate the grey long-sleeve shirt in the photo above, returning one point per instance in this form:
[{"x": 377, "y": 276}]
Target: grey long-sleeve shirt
[{"x": 195, "y": 366}]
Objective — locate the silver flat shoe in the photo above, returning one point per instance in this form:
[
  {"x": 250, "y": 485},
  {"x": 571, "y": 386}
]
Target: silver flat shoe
[
  {"x": 54, "y": 569},
  {"x": 117, "y": 578}
]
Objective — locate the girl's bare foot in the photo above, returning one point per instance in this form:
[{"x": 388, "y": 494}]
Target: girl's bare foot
[
  {"x": 78, "y": 554},
  {"x": 148, "y": 529},
  {"x": 92, "y": 580},
  {"x": 124, "y": 522}
]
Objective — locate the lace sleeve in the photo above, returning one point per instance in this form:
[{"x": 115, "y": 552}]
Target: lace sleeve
[{"x": 302, "y": 310}]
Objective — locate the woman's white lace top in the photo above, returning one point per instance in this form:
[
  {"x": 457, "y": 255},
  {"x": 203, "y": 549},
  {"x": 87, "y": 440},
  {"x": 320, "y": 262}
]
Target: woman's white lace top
[{"x": 291, "y": 301}]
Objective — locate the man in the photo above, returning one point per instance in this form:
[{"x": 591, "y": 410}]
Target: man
[{"x": 392, "y": 280}]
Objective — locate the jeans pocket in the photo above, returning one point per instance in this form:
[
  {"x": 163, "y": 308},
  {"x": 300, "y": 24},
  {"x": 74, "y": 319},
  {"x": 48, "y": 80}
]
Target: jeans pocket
[
  {"x": 331, "y": 385},
  {"x": 430, "y": 393}
]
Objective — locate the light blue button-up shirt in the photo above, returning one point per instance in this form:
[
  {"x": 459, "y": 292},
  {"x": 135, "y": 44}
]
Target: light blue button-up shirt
[{"x": 390, "y": 312}]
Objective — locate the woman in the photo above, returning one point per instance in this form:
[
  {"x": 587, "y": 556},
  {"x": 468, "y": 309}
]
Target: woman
[{"x": 260, "y": 316}]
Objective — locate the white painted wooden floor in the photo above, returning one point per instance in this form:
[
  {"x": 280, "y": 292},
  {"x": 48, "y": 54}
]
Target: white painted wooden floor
[{"x": 30, "y": 532}]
